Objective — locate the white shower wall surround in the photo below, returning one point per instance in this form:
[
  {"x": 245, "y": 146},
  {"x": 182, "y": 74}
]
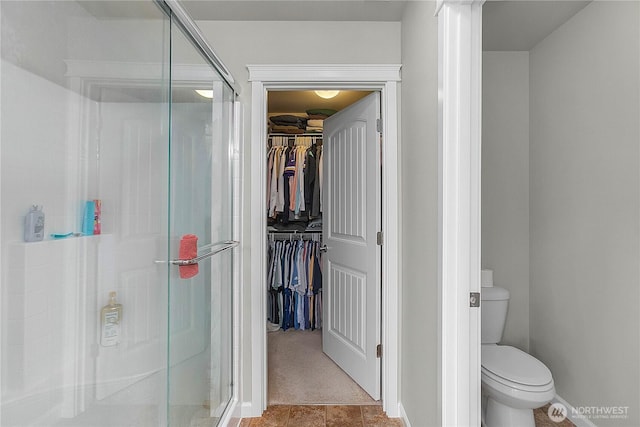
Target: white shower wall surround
[
  {"x": 38, "y": 139},
  {"x": 36, "y": 276},
  {"x": 43, "y": 278}
]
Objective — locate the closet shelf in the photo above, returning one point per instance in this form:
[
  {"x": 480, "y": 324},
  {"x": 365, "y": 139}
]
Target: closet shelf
[{"x": 304, "y": 235}]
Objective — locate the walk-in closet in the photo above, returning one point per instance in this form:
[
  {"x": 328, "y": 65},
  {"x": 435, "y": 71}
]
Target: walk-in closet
[{"x": 299, "y": 371}]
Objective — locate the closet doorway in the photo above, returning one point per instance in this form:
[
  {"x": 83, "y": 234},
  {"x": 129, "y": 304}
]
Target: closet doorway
[
  {"x": 382, "y": 79},
  {"x": 324, "y": 261}
]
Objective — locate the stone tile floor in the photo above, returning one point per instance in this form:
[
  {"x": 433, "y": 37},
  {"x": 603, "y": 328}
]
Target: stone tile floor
[
  {"x": 350, "y": 416},
  {"x": 322, "y": 416},
  {"x": 543, "y": 420}
]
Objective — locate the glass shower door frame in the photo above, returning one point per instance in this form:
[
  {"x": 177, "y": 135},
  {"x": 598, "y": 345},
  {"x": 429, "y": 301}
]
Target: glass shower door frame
[{"x": 217, "y": 261}]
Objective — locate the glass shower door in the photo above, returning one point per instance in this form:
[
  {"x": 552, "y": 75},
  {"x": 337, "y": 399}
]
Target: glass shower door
[
  {"x": 200, "y": 226},
  {"x": 101, "y": 109},
  {"x": 84, "y": 117}
]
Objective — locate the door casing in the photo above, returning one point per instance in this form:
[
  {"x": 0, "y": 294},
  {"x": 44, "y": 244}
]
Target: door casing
[{"x": 383, "y": 78}]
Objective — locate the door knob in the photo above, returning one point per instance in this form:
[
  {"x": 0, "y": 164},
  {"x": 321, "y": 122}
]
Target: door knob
[{"x": 324, "y": 248}]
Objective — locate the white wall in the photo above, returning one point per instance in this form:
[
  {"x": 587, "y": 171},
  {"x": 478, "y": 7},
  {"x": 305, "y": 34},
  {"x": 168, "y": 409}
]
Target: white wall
[
  {"x": 414, "y": 44},
  {"x": 419, "y": 168},
  {"x": 585, "y": 207},
  {"x": 239, "y": 44},
  {"x": 505, "y": 184},
  {"x": 40, "y": 152},
  {"x": 31, "y": 42}
]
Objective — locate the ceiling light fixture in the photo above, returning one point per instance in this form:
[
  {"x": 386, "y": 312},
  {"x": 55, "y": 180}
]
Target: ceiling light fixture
[
  {"x": 205, "y": 93},
  {"x": 327, "y": 94}
]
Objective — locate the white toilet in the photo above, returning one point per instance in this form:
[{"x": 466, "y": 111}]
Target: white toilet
[{"x": 513, "y": 382}]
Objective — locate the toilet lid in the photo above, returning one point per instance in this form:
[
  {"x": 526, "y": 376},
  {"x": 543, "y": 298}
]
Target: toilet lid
[{"x": 514, "y": 365}]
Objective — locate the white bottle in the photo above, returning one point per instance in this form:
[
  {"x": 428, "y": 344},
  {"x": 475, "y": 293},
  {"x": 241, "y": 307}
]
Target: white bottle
[
  {"x": 34, "y": 224},
  {"x": 110, "y": 317}
]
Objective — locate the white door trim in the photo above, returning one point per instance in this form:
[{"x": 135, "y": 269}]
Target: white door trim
[
  {"x": 384, "y": 78},
  {"x": 460, "y": 87}
]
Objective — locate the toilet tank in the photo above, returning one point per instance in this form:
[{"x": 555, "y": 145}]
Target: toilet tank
[{"x": 493, "y": 306}]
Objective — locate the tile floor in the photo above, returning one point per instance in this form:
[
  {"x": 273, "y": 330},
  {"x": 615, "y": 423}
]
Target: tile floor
[
  {"x": 350, "y": 416},
  {"x": 543, "y": 420},
  {"x": 322, "y": 416}
]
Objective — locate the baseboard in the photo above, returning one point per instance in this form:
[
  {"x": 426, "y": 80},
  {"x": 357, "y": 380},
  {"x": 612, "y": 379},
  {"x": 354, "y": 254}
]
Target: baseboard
[
  {"x": 577, "y": 420},
  {"x": 403, "y": 415},
  {"x": 228, "y": 418},
  {"x": 244, "y": 410}
]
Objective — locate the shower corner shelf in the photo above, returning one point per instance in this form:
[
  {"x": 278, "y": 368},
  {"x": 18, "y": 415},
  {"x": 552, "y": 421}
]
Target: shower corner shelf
[{"x": 64, "y": 239}]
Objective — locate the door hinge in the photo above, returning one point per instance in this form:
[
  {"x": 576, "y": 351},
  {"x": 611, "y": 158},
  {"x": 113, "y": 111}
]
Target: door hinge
[
  {"x": 474, "y": 299},
  {"x": 379, "y": 238},
  {"x": 379, "y": 125},
  {"x": 379, "y": 351}
]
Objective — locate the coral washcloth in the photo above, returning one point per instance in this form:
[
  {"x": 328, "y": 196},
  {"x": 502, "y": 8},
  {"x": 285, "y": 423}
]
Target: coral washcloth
[{"x": 188, "y": 250}]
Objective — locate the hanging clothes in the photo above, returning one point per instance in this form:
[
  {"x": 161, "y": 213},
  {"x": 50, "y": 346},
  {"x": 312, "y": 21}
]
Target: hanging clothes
[
  {"x": 294, "y": 284},
  {"x": 293, "y": 178},
  {"x": 320, "y": 179},
  {"x": 276, "y": 158},
  {"x": 299, "y": 178}
]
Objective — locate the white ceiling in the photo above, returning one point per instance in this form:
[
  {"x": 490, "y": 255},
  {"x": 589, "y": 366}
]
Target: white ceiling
[{"x": 520, "y": 25}]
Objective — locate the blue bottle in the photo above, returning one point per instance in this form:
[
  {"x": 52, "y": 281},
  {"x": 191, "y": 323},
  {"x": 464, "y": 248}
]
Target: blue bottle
[{"x": 89, "y": 218}]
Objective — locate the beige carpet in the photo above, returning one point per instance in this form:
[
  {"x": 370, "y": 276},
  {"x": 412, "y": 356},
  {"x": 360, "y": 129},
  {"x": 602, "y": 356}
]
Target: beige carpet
[{"x": 300, "y": 373}]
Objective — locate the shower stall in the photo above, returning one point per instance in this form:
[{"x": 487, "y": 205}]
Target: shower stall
[{"x": 117, "y": 119}]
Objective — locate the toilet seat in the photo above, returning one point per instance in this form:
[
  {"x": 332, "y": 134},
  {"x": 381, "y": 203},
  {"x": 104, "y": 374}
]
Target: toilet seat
[
  {"x": 489, "y": 377},
  {"x": 514, "y": 367}
]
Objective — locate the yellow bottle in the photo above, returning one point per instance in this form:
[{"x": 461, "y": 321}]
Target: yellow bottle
[{"x": 110, "y": 317}]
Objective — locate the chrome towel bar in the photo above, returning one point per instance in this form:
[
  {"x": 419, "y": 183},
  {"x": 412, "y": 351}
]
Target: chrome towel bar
[{"x": 226, "y": 245}]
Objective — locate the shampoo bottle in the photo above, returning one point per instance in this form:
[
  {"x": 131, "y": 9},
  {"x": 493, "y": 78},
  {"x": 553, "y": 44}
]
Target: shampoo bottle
[
  {"x": 89, "y": 218},
  {"x": 97, "y": 226},
  {"x": 34, "y": 224},
  {"x": 110, "y": 317}
]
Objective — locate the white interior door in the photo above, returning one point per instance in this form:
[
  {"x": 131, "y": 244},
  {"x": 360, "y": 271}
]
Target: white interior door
[{"x": 352, "y": 218}]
